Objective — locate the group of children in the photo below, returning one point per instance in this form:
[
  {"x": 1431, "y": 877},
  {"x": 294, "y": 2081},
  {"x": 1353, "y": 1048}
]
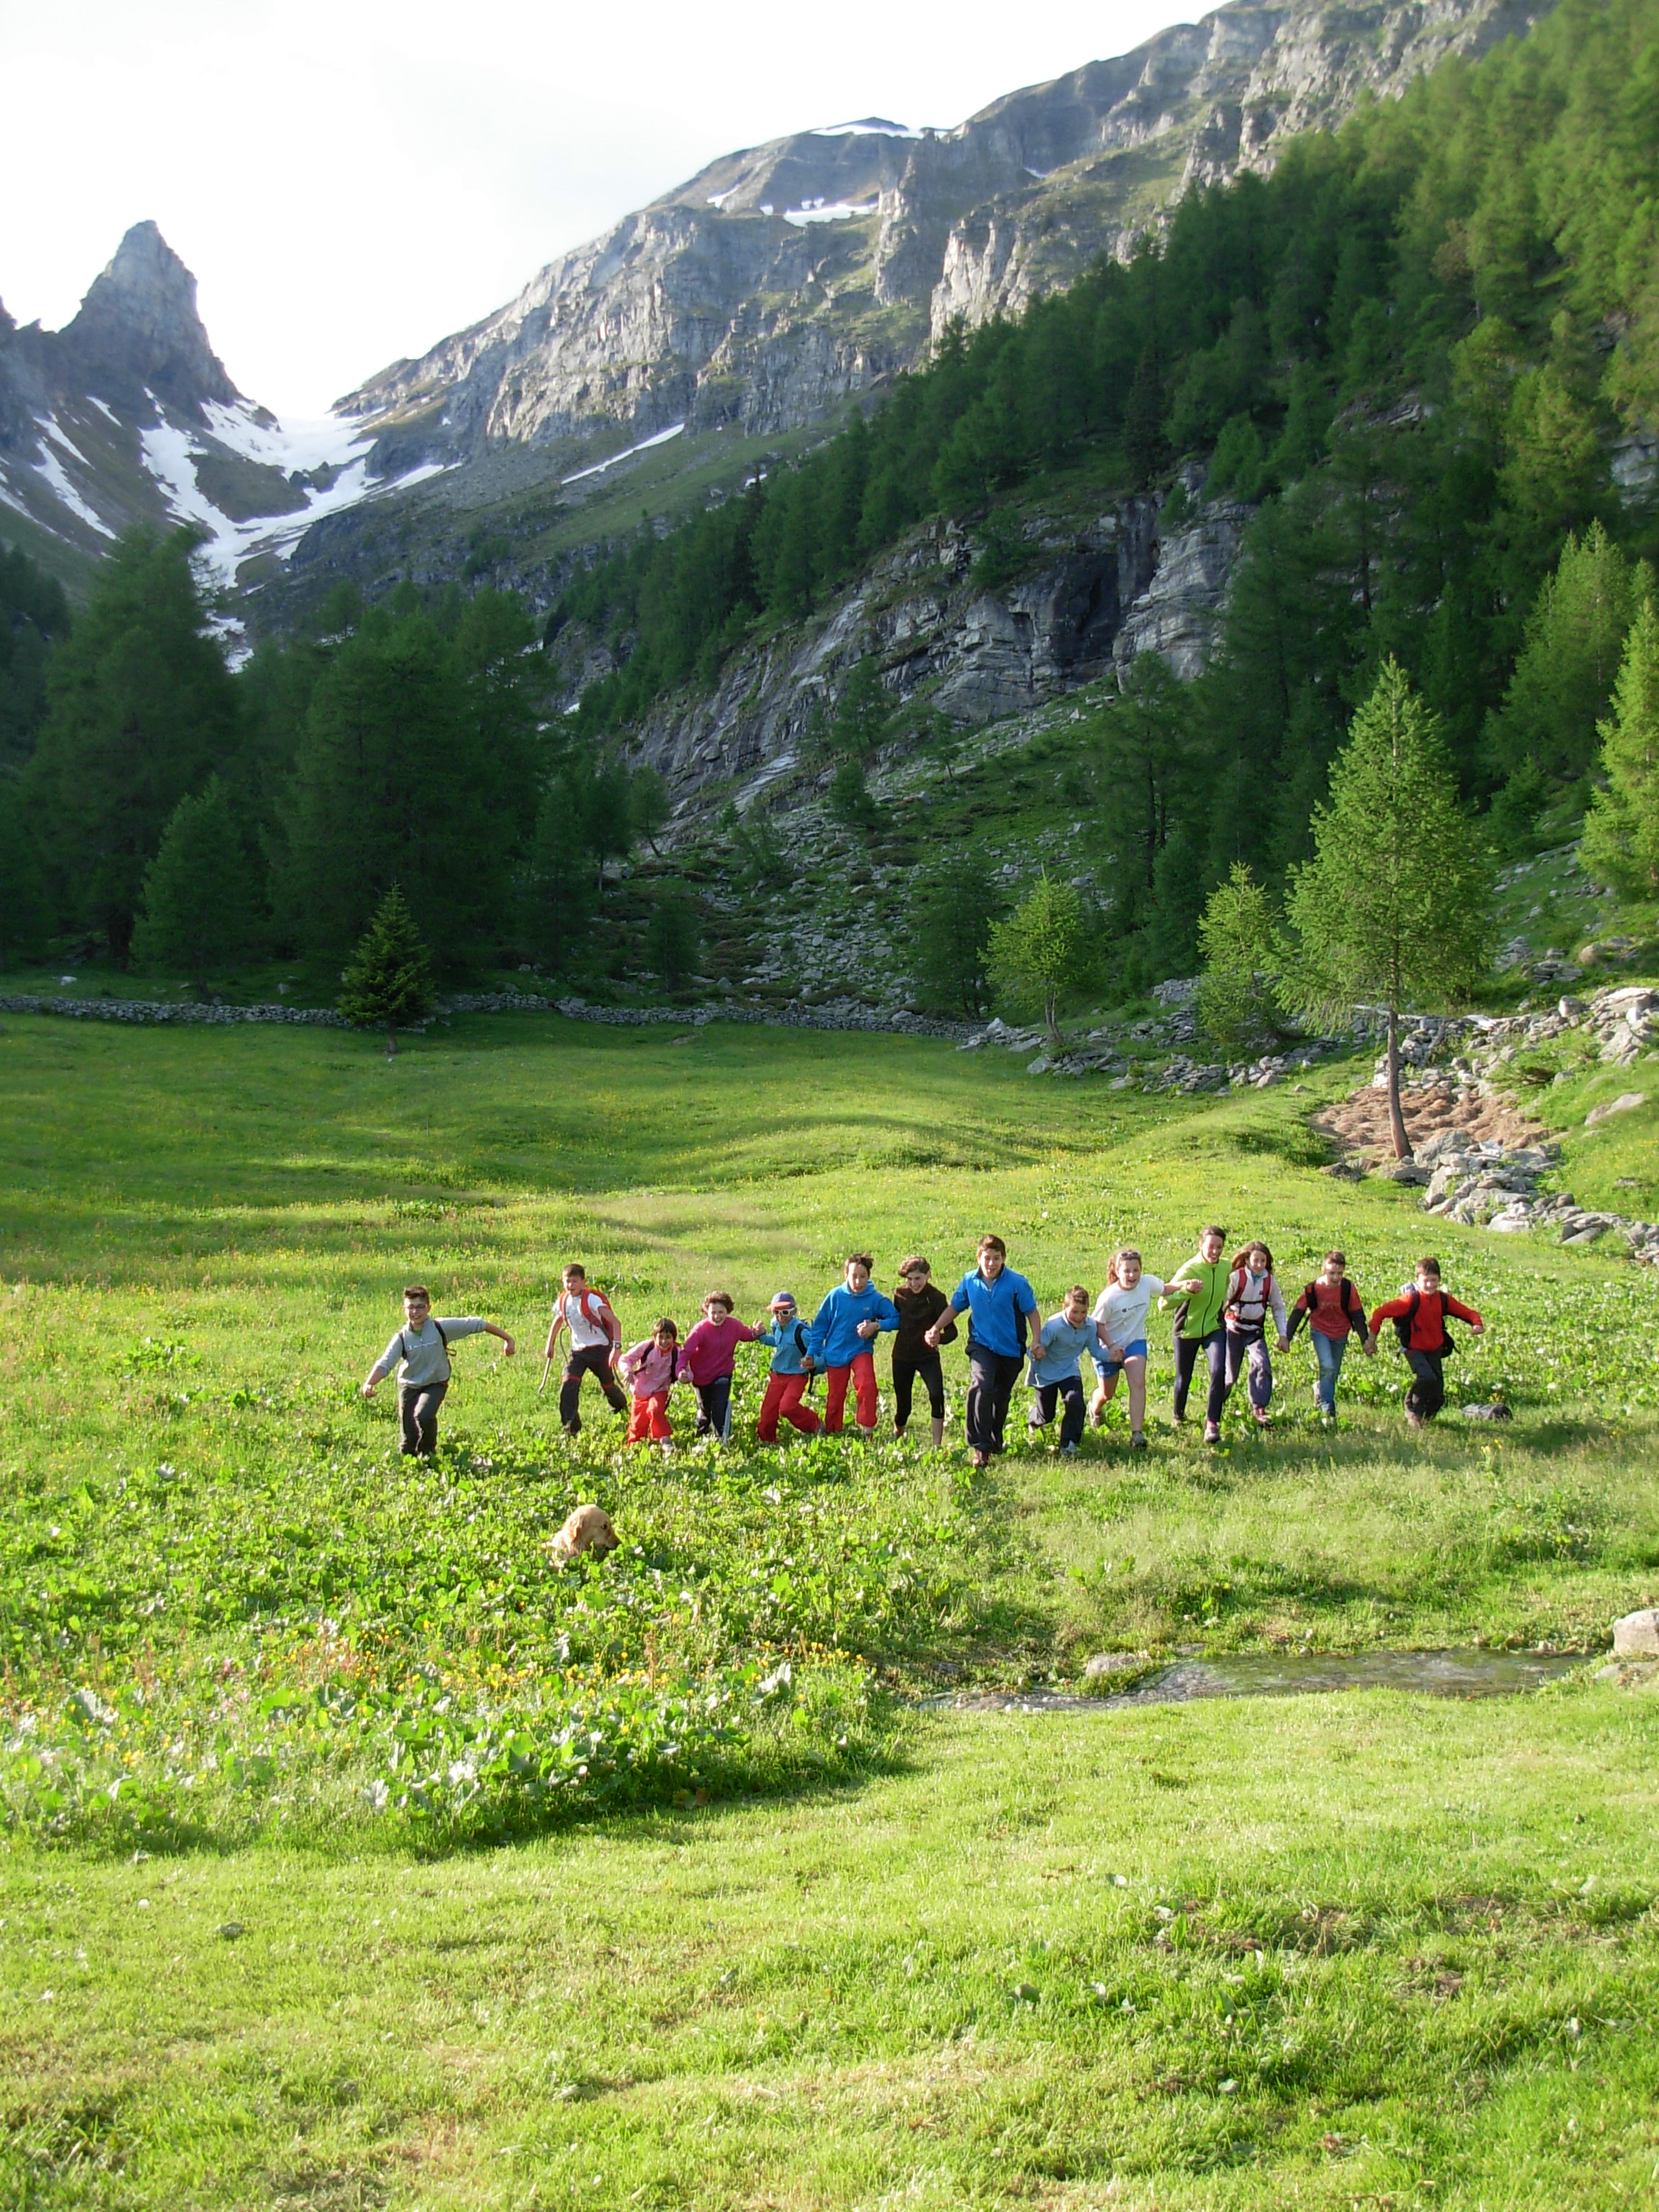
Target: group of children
[{"x": 1223, "y": 1309}]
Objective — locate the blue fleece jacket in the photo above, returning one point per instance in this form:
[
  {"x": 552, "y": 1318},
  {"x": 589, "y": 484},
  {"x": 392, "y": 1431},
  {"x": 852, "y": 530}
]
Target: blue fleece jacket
[
  {"x": 834, "y": 1338},
  {"x": 786, "y": 1350}
]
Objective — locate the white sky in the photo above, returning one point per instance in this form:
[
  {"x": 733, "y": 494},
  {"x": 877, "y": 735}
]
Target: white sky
[{"x": 352, "y": 183}]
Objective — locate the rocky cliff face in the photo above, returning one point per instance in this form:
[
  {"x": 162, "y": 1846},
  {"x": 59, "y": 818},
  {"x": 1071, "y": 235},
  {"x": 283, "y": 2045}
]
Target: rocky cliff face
[
  {"x": 783, "y": 278},
  {"x": 981, "y": 655}
]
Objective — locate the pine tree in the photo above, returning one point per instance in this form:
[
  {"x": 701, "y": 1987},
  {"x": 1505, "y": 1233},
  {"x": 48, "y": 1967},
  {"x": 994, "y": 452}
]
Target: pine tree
[
  {"x": 556, "y": 890},
  {"x": 1621, "y": 831},
  {"x": 1236, "y": 937},
  {"x": 1393, "y": 906},
  {"x": 23, "y": 915},
  {"x": 142, "y": 710},
  {"x": 1041, "y": 952},
  {"x": 198, "y": 913},
  {"x": 955, "y": 906},
  {"x": 389, "y": 977},
  {"x": 672, "y": 938},
  {"x": 1546, "y": 731}
]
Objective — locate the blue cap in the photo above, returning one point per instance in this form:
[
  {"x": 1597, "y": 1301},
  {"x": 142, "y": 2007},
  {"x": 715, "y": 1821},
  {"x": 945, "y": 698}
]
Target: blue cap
[{"x": 782, "y": 1298}]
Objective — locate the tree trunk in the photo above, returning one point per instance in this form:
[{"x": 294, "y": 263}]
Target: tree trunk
[
  {"x": 1051, "y": 1001},
  {"x": 391, "y": 1040},
  {"x": 1402, "y": 1148}
]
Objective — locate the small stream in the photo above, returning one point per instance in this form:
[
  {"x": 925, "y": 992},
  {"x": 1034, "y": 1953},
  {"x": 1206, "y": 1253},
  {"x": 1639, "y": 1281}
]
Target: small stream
[{"x": 1289, "y": 1674}]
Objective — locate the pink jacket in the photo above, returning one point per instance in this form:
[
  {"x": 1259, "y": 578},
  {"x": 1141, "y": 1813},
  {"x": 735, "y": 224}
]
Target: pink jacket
[
  {"x": 647, "y": 1371},
  {"x": 711, "y": 1348}
]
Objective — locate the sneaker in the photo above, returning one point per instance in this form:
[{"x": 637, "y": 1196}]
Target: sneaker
[
  {"x": 1264, "y": 1419},
  {"x": 1213, "y": 1432},
  {"x": 979, "y": 1461},
  {"x": 1138, "y": 1440},
  {"x": 1067, "y": 1451},
  {"x": 1099, "y": 1417}
]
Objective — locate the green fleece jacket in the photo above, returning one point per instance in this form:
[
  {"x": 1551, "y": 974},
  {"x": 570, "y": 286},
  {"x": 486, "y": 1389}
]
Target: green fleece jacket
[{"x": 1204, "y": 1308}]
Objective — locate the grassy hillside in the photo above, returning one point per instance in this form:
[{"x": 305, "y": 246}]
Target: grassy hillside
[{"x": 757, "y": 1925}]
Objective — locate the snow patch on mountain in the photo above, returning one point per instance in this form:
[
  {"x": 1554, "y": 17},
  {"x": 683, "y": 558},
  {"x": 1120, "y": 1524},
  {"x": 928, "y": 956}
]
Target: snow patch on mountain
[
  {"x": 873, "y": 126},
  {"x": 170, "y": 453},
  {"x": 48, "y": 465},
  {"x": 627, "y": 454},
  {"x": 835, "y": 211}
]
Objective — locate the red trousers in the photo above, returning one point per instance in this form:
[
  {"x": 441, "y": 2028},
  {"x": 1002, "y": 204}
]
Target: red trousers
[
  {"x": 649, "y": 1419},
  {"x": 862, "y": 1371},
  {"x": 783, "y": 1398}
]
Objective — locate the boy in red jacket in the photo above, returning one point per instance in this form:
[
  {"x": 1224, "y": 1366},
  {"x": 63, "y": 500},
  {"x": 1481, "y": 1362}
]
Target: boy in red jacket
[{"x": 1423, "y": 1310}]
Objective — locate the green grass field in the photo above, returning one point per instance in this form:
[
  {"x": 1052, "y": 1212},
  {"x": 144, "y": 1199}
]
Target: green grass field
[{"x": 356, "y": 1856}]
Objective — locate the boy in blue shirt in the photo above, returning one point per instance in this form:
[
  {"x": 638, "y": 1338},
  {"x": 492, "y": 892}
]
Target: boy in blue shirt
[
  {"x": 1066, "y": 1336},
  {"x": 998, "y": 1304},
  {"x": 839, "y": 1341}
]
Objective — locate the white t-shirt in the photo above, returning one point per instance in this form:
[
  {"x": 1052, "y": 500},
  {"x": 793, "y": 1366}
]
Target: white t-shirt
[
  {"x": 586, "y": 1334},
  {"x": 1121, "y": 1313}
]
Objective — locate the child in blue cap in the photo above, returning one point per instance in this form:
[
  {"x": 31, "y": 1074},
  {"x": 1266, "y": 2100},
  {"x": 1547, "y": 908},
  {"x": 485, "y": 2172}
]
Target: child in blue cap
[{"x": 791, "y": 1370}]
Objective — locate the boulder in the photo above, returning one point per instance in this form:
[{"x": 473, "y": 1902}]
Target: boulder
[
  {"x": 1637, "y": 1635},
  {"x": 1407, "y": 1171},
  {"x": 1626, "y": 1103}
]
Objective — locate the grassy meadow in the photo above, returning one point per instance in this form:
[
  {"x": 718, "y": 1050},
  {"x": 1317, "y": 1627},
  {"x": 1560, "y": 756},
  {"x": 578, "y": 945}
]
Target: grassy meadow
[{"x": 358, "y": 1856}]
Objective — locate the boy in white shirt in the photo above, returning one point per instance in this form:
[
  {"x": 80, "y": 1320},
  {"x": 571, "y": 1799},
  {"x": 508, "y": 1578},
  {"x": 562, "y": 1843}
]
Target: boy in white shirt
[
  {"x": 420, "y": 1353},
  {"x": 1119, "y": 1315},
  {"x": 595, "y": 1340}
]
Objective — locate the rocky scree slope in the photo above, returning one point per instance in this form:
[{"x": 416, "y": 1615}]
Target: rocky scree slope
[{"x": 781, "y": 279}]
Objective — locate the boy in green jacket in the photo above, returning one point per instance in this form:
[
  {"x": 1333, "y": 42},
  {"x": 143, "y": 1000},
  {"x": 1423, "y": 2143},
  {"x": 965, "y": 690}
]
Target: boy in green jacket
[{"x": 1202, "y": 1287}]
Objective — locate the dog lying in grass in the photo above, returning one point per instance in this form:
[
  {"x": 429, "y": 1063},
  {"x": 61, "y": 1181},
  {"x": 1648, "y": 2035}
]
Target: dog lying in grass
[{"x": 589, "y": 1528}]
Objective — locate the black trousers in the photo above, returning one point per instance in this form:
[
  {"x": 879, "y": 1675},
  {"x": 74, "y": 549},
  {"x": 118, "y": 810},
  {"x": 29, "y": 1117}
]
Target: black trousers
[
  {"x": 1069, "y": 1392},
  {"x": 991, "y": 1379},
  {"x": 905, "y": 1373},
  {"x": 417, "y": 1416},
  {"x": 1428, "y": 1394},
  {"x": 714, "y": 1409},
  {"x": 1214, "y": 1348},
  {"x": 594, "y": 1360}
]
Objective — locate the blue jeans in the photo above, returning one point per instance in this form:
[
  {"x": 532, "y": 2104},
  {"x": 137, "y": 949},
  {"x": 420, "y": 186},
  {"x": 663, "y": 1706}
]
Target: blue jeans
[{"x": 1328, "y": 1350}]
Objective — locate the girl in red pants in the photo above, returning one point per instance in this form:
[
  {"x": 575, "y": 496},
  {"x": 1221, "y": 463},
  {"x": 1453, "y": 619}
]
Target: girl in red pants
[
  {"x": 791, "y": 1370},
  {"x": 650, "y": 1369},
  {"x": 841, "y": 1341}
]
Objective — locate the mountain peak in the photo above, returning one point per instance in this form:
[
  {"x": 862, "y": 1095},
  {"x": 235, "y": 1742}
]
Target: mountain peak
[{"x": 138, "y": 328}]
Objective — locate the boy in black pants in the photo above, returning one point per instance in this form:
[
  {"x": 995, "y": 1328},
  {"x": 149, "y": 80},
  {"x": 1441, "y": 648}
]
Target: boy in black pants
[
  {"x": 1419, "y": 1318},
  {"x": 420, "y": 1353},
  {"x": 595, "y": 1340},
  {"x": 919, "y": 1302}
]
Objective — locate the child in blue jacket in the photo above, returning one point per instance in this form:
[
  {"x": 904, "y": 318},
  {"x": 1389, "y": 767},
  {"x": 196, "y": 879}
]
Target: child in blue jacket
[
  {"x": 791, "y": 1370},
  {"x": 1055, "y": 1373},
  {"x": 843, "y": 1331}
]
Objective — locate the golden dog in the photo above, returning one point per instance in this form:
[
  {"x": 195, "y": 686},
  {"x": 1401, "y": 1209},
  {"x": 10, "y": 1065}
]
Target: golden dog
[{"x": 589, "y": 1528}]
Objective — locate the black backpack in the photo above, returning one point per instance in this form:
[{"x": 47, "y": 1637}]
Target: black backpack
[
  {"x": 1403, "y": 1324},
  {"x": 1351, "y": 1305}
]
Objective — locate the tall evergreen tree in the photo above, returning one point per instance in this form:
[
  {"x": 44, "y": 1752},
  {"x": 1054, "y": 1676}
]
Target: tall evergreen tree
[
  {"x": 141, "y": 712},
  {"x": 34, "y": 614},
  {"x": 1546, "y": 731},
  {"x": 1393, "y": 906},
  {"x": 24, "y": 921},
  {"x": 198, "y": 912},
  {"x": 1621, "y": 831}
]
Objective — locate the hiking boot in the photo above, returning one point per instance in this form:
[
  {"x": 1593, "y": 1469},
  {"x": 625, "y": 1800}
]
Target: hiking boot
[
  {"x": 1213, "y": 1432},
  {"x": 1264, "y": 1419},
  {"x": 1138, "y": 1440}
]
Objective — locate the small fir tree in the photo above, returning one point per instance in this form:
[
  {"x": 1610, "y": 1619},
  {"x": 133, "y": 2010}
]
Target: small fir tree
[
  {"x": 389, "y": 977},
  {"x": 1621, "y": 830},
  {"x": 1393, "y": 906},
  {"x": 1041, "y": 951},
  {"x": 197, "y": 913},
  {"x": 1235, "y": 993}
]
